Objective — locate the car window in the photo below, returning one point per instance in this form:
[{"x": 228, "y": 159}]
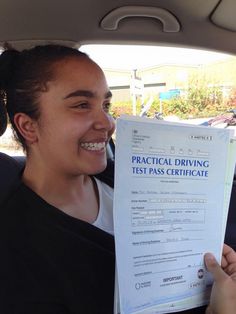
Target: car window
[
  {"x": 178, "y": 84},
  {"x": 174, "y": 84}
]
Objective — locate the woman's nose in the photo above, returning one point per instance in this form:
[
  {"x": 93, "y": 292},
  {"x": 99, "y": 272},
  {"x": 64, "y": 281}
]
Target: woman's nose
[{"x": 104, "y": 120}]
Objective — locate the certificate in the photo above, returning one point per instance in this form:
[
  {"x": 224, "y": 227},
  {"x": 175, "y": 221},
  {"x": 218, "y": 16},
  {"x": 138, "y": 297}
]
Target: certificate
[{"x": 172, "y": 190}]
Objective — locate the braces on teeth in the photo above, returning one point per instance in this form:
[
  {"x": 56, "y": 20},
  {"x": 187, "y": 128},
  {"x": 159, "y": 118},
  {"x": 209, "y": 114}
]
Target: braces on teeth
[{"x": 93, "y": 146}]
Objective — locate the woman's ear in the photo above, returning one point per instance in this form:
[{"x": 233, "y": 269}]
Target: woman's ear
[{"x": 27, "y": 127}]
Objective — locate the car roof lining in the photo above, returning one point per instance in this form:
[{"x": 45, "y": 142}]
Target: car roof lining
[{"x": 64, "y": 22}]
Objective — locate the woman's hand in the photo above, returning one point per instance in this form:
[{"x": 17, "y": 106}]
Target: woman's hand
[{"x": 223, "y": 295}]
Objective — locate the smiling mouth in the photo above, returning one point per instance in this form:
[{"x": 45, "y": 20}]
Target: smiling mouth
[{"x": 94, "y": 146}]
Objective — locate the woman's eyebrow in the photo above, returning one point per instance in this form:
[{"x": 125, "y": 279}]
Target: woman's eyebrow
[{"x": 86, "y": 93}]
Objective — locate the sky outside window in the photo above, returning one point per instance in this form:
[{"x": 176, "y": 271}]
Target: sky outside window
[{"x": 136, "y": 57}]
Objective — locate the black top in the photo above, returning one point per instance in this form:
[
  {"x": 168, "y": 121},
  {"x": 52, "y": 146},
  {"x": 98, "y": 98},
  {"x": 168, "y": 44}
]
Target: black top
[{"x": 51, "y": 262}]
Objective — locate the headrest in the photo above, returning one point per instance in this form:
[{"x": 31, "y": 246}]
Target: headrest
[{"x": 10, "y": 175}]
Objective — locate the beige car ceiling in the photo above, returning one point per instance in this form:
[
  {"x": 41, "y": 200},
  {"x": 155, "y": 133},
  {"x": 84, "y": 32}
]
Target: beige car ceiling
[{"x": 206, "y": 24}]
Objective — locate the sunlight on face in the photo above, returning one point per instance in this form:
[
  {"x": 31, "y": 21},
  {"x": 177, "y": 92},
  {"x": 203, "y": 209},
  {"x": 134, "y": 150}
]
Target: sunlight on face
[{"x": 75, "y": 125}]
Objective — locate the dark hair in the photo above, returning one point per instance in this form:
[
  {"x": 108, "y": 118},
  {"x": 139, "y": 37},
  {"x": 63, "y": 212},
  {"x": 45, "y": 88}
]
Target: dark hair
[{"x": 23, "y": 75}]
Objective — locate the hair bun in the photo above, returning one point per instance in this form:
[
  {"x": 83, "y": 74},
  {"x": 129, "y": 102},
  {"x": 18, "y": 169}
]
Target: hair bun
[
  {"x": 8, "y": 61},
  {"x": 3, "y": 117}
]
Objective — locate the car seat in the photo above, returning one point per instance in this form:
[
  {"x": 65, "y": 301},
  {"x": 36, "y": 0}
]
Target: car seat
[
  {"x": 230, "y": 235},
  {"x": 10, "y": 173}
]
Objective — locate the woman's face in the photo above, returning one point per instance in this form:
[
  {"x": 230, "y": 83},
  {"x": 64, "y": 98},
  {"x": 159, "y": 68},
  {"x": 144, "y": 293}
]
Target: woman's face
[{"x": 74, "y": 125}]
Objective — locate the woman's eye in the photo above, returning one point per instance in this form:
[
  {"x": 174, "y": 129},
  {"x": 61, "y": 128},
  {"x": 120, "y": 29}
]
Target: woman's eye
[
  {"x": 107, "y": 106},
  {"x": 83, "y": 105}
]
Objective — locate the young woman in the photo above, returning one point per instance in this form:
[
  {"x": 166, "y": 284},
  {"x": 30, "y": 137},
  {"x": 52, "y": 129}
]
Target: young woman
[{"x": 56, "y": 243}]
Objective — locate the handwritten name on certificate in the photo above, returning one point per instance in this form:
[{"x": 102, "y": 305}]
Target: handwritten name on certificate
[{"x": 169, "y": 210}]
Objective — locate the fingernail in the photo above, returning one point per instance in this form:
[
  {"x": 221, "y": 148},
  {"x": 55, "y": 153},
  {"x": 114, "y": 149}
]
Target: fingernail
[{"x": 210, "y": 256}]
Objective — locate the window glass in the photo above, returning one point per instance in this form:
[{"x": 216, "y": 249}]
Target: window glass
[
  {"x": 174, "y": 84},
  {"x": 177, "y": 84}
]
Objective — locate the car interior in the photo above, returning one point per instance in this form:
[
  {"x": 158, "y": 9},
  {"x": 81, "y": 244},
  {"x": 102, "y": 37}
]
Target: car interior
[{"x": 209, "y": 25}]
